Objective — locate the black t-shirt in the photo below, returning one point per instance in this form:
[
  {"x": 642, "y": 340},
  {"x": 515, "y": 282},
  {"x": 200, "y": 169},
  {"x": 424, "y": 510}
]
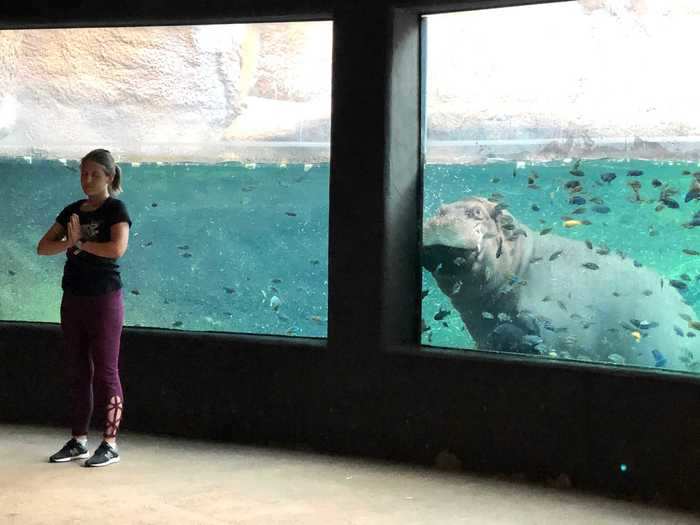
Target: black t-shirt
[{"x": 85, "y": 273}]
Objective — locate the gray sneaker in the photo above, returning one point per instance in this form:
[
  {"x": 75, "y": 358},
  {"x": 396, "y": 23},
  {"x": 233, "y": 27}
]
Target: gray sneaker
[
  {"x": 73, "y": 449},
  {"x": 103, "y": 456}
]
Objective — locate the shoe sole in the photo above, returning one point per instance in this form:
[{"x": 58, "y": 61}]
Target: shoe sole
[
  {"x": 65, "y": 460},
  {"x": 108, "y": 462}
]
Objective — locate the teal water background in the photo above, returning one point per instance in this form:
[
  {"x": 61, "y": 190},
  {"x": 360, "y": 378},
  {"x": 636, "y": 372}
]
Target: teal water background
[
  {"x": 210, "y": 247},
  {"x": 213, "y": 244},
  {"x": 654, "y": 238}
]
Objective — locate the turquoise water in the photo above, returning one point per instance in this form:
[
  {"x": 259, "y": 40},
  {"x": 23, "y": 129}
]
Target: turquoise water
[
  {"x": 219, "y": 247},
  {"x": 652, "y": 235},
  {"x": 234, "y": 248}
]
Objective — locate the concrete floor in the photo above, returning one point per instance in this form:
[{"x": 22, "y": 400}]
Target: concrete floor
[{"x": 176, "y": 481}]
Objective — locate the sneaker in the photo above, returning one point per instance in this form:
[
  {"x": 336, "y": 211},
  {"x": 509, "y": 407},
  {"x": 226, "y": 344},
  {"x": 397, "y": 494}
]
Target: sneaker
[
  {"x": 73, "y": 449},
  {"x": 103, "y": 456}
]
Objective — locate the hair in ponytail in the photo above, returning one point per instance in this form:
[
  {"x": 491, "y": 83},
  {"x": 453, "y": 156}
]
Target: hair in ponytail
[{"x": 104, "y": 158}]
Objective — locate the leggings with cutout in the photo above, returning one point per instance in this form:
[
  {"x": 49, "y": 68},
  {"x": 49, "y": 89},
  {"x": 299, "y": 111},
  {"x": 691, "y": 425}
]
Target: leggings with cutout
[{"x": 92, "y": 327}]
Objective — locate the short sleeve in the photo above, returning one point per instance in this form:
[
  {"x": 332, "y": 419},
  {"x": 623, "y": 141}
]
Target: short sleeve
[
  {"x": 119, "y": 213},
  {"x": 62, "y": 218}
]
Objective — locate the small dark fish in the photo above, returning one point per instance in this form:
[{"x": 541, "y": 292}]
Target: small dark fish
[
  {"x": 545, "y": 231},
  {"x": 670, "y": 203},
  {"x": 535, "y": 260},
  {"x": 690, "y": 334},
  {"x": 656, "y": 183},
  {"x": 424, "y": 294},
  {"x": 579, "y": 211},
  {"x": 424, "y": 326},
  {"x": 608, "y": 177},
  {"x": 597, "y": 200},
  {"x": 616, "y": 294},
  {"x": 601, "y": 209},
  {"x": 441, "y": 314},
  {"x": 692, "y": 195},
  {"x": 495, "y": 180},
  {"x": 184, "y": 247},
  {"x": 586, "y": 222},
  {"x": 147, "y": 244},
  {"x": 690, "y": 252},
  {"x": 590, "y": 265},
  {"x": 290, "y": 213},
  {"x": 500, "y": 207},
  {"x": 686, "y": 172},
  {"x": 12, "y": 273},
  {"x": 187, "y": 255},
  {"x": 678, "y": 331},
  {"x": 577, "y": 173},
  {"x": 535, "y": 207},
  {"x": 636, "y": 263},
  {"x": 647, "y": 293},
  {"x": 577, "y": 200},
  {"x": 533, "y": 186},
  {"x": 135, "y": 291},
  {"x": 562, "y": 306},
  {"x": 555, "y": 255},
  {"x": 589, "y": 244},
  {"x": 177, "y": 323},
  {"x": 570, "y": 185},
  {"x": 229, "y": 290},
  {"x": 678, "y": 284},
  {"x": 635, "y": 173}
]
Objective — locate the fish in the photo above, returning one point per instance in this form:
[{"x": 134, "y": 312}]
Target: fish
[
  {"x": 688, "y": 251},
  {"x": 590, "y": 266},
  {"x": 535, "y": 207},
  {"x": 635, "y": 173},
  {"x": 659, "y": 359},
  {"x": 678, "y": 284},
  {"x": 577, "y": 173},
  {"x": 135, "y": 291},
  {"x": 695, "y": 325},
  {"x": 608, "y": 177},
  {"x": 441, "y": 314},
  {"x": 555, "y": 255},
  {"x": 678, "y": 331},
  {"x": 601, "y": 209},
  {"x": 579, "y": 211},
  {"x": 545, "y": 231},
  {"x": 570, "y": 185},
  {"x": 572, "y": 222},
  {"x": 577, "y": 200},
  {"x": 290, "y": 213},
  {"x": 177, "y": 323},
  {"x": 656, "y": 183},
  {"x": 229, "y": 290},
  {"x": 424, "y": 294},
  {"x": 589, "y": 244},
  {"x": 647, "y": 293}
]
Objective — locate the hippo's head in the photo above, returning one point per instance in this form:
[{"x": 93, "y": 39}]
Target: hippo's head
[{"x": 472, "y": 236}]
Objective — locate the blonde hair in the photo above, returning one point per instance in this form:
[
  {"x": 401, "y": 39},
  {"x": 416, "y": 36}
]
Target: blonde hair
[{"x": 104, "y": 158}]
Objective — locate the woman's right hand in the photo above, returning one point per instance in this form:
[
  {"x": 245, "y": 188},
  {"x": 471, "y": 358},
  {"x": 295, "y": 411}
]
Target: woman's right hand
[{"x": 73, "y": 230}]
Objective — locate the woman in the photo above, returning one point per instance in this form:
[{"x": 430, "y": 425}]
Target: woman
[{"x": 94, "y": 233}]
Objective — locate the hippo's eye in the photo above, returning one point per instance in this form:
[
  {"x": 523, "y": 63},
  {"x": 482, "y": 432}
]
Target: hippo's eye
[{"x": 473, "y": 213}]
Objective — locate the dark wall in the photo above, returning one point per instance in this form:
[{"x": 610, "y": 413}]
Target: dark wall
[{"x": 369, "y": 388}]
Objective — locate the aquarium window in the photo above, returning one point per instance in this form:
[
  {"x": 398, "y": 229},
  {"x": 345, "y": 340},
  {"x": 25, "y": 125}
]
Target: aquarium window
[
  {"x": 222, "y": 133},
  {"x": 561, "y": 214}
]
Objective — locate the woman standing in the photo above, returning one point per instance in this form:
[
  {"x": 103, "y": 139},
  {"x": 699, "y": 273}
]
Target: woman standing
[{"x": 94, "y": 233}]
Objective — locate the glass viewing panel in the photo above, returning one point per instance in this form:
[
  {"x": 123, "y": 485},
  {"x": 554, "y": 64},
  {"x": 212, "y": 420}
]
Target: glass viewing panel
[
  {"x": 222, "y": 133},
  {"x": 562, "y": 183}
]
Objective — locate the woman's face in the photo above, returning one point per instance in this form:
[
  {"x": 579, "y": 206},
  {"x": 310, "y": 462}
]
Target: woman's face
[{"x": 94, "y": 179}]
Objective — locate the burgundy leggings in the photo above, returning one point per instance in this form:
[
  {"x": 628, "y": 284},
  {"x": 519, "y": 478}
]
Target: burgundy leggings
[{"x": 92, "y": 327}]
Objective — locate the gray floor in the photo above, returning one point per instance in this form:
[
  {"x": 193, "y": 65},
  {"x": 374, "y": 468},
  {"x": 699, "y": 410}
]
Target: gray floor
[{"x": 174, "y": 481}]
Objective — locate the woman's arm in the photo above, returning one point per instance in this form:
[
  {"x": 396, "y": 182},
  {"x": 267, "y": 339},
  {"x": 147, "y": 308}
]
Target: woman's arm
[
  {"x": 114, "y": 248},
  {"x": 54, "y": 241}
]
